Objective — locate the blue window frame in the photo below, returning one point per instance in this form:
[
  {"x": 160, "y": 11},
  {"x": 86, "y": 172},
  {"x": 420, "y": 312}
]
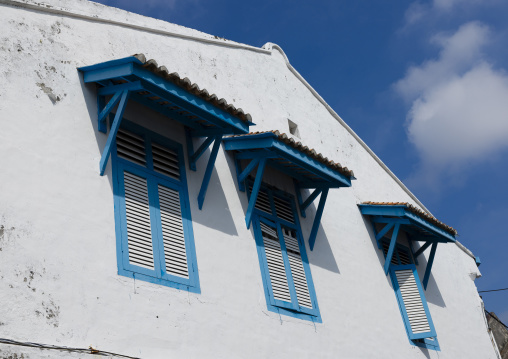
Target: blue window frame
[
  {"x": 285, "y": 270},
  {"x": 410, "y": 297},
  {"x": 155, "y": 240}
]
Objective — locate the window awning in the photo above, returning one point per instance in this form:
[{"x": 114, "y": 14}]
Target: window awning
[
  {"x": 144, "y": 81},
  {"x": 419, "y": 225},
  {"x": 308, "y": 168}
]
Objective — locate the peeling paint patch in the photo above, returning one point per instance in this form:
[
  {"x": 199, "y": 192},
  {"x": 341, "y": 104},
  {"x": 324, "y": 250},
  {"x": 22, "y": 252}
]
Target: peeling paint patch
[
  {"x": 49, "y": 91},
  {"x": 10, "y": 355}
]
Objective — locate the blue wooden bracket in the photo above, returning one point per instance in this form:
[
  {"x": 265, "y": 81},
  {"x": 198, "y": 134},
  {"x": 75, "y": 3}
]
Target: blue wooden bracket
[
  {"x": 429, "y": 265},
  {"x": 391, "y": 249},
  {"x": 422, "y": 248},
  {"x": 192, "y": 155},
  {"x": 252, "y": 164},
  {"x": 103, "y": 111},
  {"x": 113, "y": 131},
  {"x": 255, "y": 191},
  {"x": 116, "y": 91},
  {"x": 411, "y": 247},
  {"x": 309, "y": 200},
  {"x": 382, "y": 233},
  {"x": 317, "y": 219},
  {"x": 209, "y": 168}
]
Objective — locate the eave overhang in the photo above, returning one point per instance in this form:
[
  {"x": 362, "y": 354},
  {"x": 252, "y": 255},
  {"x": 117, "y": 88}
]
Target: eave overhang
[
  {"x": 165, "y": 92},
  {"x": 135, "y": 78},
  {"x": 418, "y": 225},
  {"x": 308, "y": 169},
  {"x": 294, "y": 160}
]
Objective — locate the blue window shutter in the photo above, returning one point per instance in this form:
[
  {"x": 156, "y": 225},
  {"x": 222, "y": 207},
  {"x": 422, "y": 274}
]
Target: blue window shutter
[
  {"x": 277, "y": 275},
  {"x": 152, "y": 207},
  {"x": 137, "y": 223},
  {"x": 412, "y": 303},
  {"x": 283, "y": 260},
  {"x": 173, "y": 246}
]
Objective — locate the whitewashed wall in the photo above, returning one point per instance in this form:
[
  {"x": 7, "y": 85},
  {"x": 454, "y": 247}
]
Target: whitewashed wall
[{"x": 58, "y": 270}]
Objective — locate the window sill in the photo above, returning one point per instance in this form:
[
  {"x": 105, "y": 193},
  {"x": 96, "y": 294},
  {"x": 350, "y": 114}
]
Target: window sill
[{"x": 159, "y": 281}]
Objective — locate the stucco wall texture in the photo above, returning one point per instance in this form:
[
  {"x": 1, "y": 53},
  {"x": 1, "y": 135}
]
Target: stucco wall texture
[{"x": 58, "y": 270}]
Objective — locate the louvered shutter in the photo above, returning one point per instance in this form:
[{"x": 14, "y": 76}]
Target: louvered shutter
[
  {"x": 400, "y": 255},
  {"x": 285, "y": 261},
  {"x": 412, "y": 302},
  {"x": 139, "y": 233},
  {"x": 175, "y": 255},
  {"x": 275, "y": 263},
  {"x": 131, "y": 147},
  {"x": 262, "y": 201},
  {"x": 165, "y": 161},
  {"x": 297, "y": 270},
  {"x": 156, "y": 233},
  {"x": 283, "y": 209}
]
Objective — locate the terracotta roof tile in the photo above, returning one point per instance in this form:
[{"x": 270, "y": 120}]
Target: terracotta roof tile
[
  {"x": 424, "y": 215},
  {"x": 308, "y": 151},
  {"x": 193, "y": 88}
]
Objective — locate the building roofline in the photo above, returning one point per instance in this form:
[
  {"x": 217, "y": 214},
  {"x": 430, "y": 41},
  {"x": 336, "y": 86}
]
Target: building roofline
[{"x": 267, "y": 49}]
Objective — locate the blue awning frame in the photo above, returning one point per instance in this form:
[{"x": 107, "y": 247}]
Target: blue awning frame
[
  {"x": 126, "y": 79},
  {"x": 400, "y": 217},
  {"x": 265, "y": 149}
]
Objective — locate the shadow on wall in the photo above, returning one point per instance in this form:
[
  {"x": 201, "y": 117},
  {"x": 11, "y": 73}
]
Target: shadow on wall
[
  {"x": 322, "y": 255},
  {"x": 432, "y": 294},
  {"x": 215, "y": 213},
  {"x": 220, "y": 220}
]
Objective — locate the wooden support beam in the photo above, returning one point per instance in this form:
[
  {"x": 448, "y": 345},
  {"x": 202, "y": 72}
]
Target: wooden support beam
[
  {"x": 208, "y": 171},
  {"x": 252, "y": 164},
  {"x": 422, "y": 248},
  {"x": 317, "y": 219},
  {"x": 429, "y": 265},
  {"x": 255, "y": 191},
  {"x": 310, "y": 199},
  {"x": 113, "y": 131},
  {"x": 104, "y": 111},
  {"x": 113, "y": 89},
  {"x": 391, "y": 249},
  {"x": 195, "y": 156}
]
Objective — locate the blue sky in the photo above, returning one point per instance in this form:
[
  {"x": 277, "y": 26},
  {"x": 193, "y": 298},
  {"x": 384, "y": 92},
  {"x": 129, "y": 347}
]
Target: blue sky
[{"x": 425, "y": 84}]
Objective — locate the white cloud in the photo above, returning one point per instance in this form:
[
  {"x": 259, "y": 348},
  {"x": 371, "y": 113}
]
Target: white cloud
[
  {"x": 465, "y": 118},
  {"x": 419, "y": 10},
  {"x": 458, "y": 102},
  {"x": 458, "y": 52}
]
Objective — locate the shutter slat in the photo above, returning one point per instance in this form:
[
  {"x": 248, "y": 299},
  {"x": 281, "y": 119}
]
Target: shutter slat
[
  {"x": 275, "y": 262},
  {"x": 297, "y": 270},
  {"x": 165, "y": 161},
  {"x": 139, "y": 234},
  {"x": 172, "y": 232},
  {"x": 412, "y": 300},
  {"x": 130, "y": 147},
  {"x": 262, "y": 201},
  {"x": 283, "y": 209}
]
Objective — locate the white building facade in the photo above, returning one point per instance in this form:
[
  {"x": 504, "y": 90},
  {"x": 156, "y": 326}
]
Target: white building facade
[{"x": 126, "y": 224}]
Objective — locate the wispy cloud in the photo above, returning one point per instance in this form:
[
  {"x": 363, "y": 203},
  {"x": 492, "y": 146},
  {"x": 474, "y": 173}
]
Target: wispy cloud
[
  {"x": 458, "y": 104},
  {"x": 419, "y": 10}
]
